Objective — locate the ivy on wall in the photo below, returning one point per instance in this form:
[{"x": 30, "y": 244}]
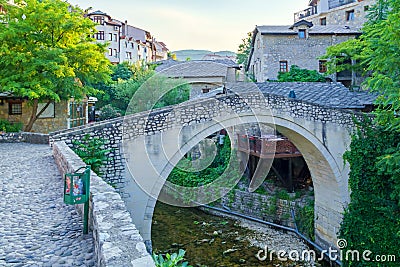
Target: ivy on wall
[{"x": 372, "y": 219}]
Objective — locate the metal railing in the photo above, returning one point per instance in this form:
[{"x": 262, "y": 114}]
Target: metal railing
[
  {"x": 305, "y": 13},
  {"x": 265, "y": 146},
  {"x": 338, "y": 3}
]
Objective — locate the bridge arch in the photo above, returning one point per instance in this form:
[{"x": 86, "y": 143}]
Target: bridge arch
[{"x": 310, "y": 137}]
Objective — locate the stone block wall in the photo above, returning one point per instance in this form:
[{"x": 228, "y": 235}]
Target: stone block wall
[
  {"x": 267, "y": 208},
  {"x": 113, "y": 170},
  {"x": 301, "y": 52},
  {"x": 337, "y": 15},
  {"x": 117, "y": 241},
  {"x": 33, "y": 138}
]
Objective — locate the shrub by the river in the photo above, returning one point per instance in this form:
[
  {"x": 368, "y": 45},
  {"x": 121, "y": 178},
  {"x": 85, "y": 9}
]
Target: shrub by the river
[{"x": 171, "y": 260}]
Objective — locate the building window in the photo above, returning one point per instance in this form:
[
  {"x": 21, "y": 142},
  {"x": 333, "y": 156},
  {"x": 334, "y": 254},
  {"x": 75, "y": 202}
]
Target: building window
[
  {"x": 110, "y": 52},
  {"x": 322, "y": 21},
  {"x": 115, "y": 37},
  {"x": 15, "y": 108},
  {"x": 128, "y": 55},
  {"x": 302, "y": 34},
  {"x": 115, "y": 52},
  {"x": 350, "y": 15},
  {"x": 99, "y": 19},
  {"x": 283, "y": 66},
  {"x": 99, "y": 35},
  {"x": 322, "y": 66}
]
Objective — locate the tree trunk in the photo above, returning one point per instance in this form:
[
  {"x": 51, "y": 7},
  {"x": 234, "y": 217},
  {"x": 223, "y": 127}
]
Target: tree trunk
[{"x": 34, "y": 116}]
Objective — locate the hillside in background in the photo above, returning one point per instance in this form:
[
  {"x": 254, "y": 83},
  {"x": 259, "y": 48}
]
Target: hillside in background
[{"x": 182, "y": 55}]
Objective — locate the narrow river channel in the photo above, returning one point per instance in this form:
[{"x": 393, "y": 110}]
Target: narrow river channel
[{"x": 209, "y": 240}]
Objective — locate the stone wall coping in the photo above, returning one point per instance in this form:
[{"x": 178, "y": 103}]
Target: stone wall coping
[
  {"x": 26, "y": 137},
  {"x": 117, "y": 241}
]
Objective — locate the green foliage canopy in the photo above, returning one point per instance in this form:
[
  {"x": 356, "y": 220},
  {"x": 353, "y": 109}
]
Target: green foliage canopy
[
  {"x": 147, "y": 87},
  {"x": 244, "y": 50},
  {"x": 297, "y": 74},
  {"x": 376, "y": 55},
  {"x": 186, "y": 176},
  {"x": 47, "y": 53}
]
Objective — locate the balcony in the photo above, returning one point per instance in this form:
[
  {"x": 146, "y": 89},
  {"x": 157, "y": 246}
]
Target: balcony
[
  {"x": 305, "y": 13},
  {"x": 338, "y": 3},
  {"x": 268, "y": 147}
]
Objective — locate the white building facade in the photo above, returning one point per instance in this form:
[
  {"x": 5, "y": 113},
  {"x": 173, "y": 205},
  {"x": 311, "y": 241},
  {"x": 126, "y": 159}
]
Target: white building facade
[{"x": 126, "y": 43}]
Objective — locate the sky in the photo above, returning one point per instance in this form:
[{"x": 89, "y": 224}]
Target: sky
[{"x": 214, "y": 25}]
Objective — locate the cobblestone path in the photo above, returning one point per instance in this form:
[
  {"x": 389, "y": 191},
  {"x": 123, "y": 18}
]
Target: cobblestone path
[{"x": 36, "y": 227}]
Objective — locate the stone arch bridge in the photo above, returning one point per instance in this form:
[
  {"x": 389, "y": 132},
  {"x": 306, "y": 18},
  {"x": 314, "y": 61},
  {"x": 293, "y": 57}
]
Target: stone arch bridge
[{"x": 322, "y": 135}]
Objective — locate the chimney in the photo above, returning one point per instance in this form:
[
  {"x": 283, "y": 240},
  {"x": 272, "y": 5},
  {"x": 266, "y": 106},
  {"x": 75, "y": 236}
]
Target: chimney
[{"x": 126, "y": 28}]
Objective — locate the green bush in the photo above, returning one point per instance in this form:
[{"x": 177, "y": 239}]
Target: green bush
[
  {"x": 191, "y": 178},
  {"x": 174, "y": 260},
  {"x": 9, "y": 127},
  {"x": 91, "y": 151},
  {"x": 109, "y": 112},
  {"x": 305, "y": 220},
  {"x": 300, "y": 75}
]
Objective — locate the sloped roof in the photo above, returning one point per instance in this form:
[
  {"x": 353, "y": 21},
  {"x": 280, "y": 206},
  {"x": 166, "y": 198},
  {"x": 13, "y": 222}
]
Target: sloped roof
[
  {"x": 136, "y": 33},
  {"x": 302, "y": 22},
  {"x": 99, "y": 13},
  {"x": 333, "y": 94},
  {"x": 316, "y": 29},
  {"x": 114, "y": 22},
  {"x": 193, "y": 69}
]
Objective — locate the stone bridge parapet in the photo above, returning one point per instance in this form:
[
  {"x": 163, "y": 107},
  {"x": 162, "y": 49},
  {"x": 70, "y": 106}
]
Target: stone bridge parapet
[{"x": 117, "y": 241}]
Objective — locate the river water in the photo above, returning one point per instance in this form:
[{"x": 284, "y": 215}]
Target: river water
[{"x": 208, "y": 240}]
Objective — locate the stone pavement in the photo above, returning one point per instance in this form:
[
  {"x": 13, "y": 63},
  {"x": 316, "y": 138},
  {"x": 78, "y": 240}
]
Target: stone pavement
[{"x": 36, "y": 227}]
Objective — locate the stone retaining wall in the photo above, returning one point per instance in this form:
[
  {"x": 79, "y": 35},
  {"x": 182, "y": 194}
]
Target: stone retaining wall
[
  {"x": 117, "y": 241},
  {"x": 267, "y": 208},
  {"x": 33, "y": 138}
]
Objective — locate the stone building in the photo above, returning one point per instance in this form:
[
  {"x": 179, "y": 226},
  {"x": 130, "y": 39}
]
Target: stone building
[
  {"x": 276, "y": 48},
  {"x": 335, "y": 12},
  {"x": 204, "y": 76},
  {"x": 57, "y": 116},
  {"x": 126, "y": 43}
]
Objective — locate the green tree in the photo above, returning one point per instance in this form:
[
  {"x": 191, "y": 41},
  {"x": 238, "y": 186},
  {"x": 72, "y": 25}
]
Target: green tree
[
  {"x": 152, "y": 85},
  {"x": 121, "y": 71},
  {"x": 47, "y": 54},
  {"x": 300, "y": 75},
  {"x": 376, "y": 56},
  {"x": 244, "y": 50}
]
